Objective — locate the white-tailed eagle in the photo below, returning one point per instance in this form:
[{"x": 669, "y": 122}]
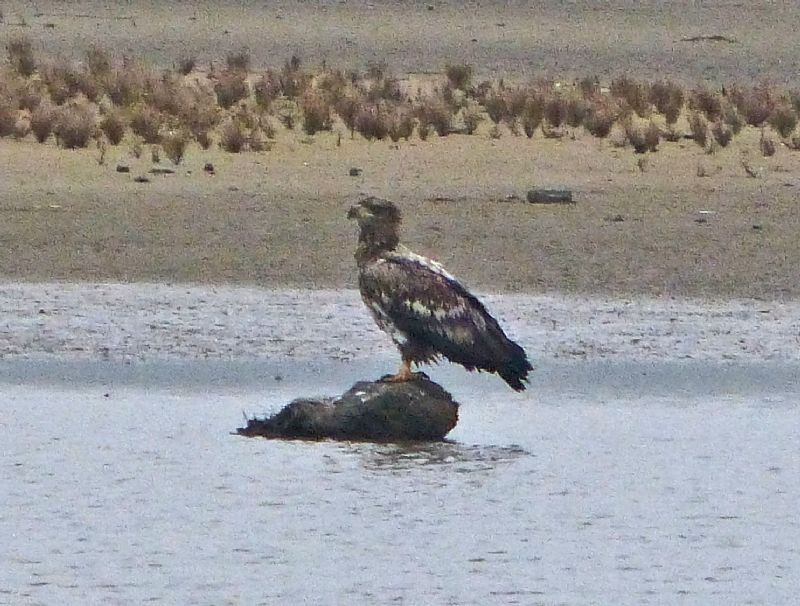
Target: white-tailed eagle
[{"x": 424, "y": 309}]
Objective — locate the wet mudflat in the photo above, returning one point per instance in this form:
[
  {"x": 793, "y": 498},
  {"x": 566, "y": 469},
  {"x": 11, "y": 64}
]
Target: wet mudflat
[{"x": 619, "y": 477}]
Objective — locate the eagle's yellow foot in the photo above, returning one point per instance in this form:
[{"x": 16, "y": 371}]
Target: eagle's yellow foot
[{"x": 403, "y": 374}]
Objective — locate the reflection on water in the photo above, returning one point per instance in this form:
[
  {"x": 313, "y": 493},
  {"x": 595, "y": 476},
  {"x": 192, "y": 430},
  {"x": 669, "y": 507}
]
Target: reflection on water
[
  {"x": 132, "y": 494},
  {"x": 445, "y": 456}
]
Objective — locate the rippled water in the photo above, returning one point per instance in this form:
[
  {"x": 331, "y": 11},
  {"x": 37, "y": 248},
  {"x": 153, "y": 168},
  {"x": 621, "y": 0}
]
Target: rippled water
[{"x": 121, "y": 484}]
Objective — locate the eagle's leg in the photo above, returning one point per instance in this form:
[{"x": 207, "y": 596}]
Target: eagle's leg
[{"x": 403, "y": 373}]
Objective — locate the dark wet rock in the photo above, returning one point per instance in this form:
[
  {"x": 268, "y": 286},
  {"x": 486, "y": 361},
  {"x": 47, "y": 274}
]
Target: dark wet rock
[
  {"x": 209, "y": 168},
  {"x": 369, "y": 410},
  {"x": 355, "y": 172},
  {"x": 162, "y": 170},
  {"x": 123, "y": 168},
  {"x": 141, "y": 179},
  {"x": 550, "y": 196}
]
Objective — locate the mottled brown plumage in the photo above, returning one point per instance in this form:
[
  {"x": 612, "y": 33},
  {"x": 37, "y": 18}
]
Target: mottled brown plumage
[{"x": 425, "y": 310}]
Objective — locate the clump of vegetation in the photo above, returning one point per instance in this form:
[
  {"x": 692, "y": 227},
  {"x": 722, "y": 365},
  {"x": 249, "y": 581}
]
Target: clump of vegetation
[
  {"x": 599, "y": 120},
  {"x": 75, "y": 125},
  {"x": 755, "y": 104},
  {"x": 20, "y": 55},
  {"x": 472, "y": 118},
  {"x": 459, "y": 75},
  {"x": 316, "y": 113},
  {"x": 667, "y": 97},
  {"x": 633, "y": 94},
  {"x": 722, "y": 132},
  {"x": 233, "y": 137},
  {"x": 766, "y": 145},
  {"x": 43, "y": 121},
  {"x": 113, "y": 126},
  {"x": 699, "y": 127},
  {"x": 436, "y": 114},
  {"x": 146, "y": 121},
  {"x": 186, "y": 65},
  {"x": 783, "y": 119},
  {"x": 231, "y": 87},
  {"x": 703, "y": 100},
  {"x": 372, "y": 123},
  {"x": 238, "y": 61},
  {"x": 174, "y": 144}
]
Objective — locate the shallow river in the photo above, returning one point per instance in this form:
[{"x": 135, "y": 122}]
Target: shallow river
[
  {"x": 653, "y": 460},
  {"x": 606, "y": 483}
]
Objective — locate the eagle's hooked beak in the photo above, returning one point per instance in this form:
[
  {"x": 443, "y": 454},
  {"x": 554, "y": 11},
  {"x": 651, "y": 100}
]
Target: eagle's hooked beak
[{"x": 355, "y": 212}]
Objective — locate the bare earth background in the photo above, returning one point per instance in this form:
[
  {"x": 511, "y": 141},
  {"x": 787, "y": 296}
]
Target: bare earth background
[{"x": 277, "y": 218}]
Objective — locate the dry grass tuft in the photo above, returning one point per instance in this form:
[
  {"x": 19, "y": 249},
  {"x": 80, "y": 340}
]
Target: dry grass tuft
[
  {"x": 722, "y": 132},
  {"x": 459, "y": 75},
  {"x": 401, "y": 123},
  {"x": 267, "y": 89},
  {"x": 186, "y": 65},
  {"x": 633, "y": 94},
  {"x": 232, "y": 137},
  {"x": 371, "y": 122},
  {"x": 231, "y": 87},
  {"x": 113, "y": 126},
  {"x": 174, "y": 144},
  {"x": 555, "y": 111},
  {"x": 755, "y": 104},
  {"x": 316, "y": 113},
  {"x": 434, "y": 112},
  {"x": 599, "y": 119},
  {"x": 43, "y": 121},
  {"x": 703, "y": 100},
  {"x": 783, "y": 119},
  {"x": 667, "y": 97},
  {"x": 75, "y": 125},
  {"x": 238, "y": 61},
  {"x": 699, "y": 128},
  {"x": 146, "y": 121},
  {"x": 20, "y": 55},
  {"x": 766, "y": 145},
  {"x": 472, "y": 118}
]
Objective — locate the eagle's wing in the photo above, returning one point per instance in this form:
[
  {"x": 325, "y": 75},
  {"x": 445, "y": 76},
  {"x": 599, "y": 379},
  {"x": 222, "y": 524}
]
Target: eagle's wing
[{"x": 429, "y": 305}]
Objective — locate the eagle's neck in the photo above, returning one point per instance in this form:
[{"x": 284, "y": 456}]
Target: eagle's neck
[{"x": 374, "y": 241}]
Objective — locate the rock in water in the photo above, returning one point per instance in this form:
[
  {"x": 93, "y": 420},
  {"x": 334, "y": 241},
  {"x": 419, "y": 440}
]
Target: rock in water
[{"x": 369, "y": 410}]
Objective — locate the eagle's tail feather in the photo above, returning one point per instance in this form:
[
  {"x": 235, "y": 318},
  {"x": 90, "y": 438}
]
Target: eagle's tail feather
[{"x": 516, "y": 367}]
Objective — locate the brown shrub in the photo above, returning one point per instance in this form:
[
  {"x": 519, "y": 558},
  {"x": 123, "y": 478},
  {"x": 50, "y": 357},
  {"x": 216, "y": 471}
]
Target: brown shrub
[
  {"x": 636, "y": 136},
  {"x": 8, "y": 118},
  {"x": 186, "y": 65},
  {"x": 75, "y": 125},
  {"x": 238, "y": 61},
  {"x": 231, "y": 87},
  {"x": 257, "y": 141},
  {"x": 703, "y": 100},
  {"x": 316, "y": 113},
  {"x": 174, "y": 144},
  {"x": 127, "y": 85},
  {"x": 267, "y": 89},
  {"x": 755, "y": 104},
  {"x": 722, "y": 132},
  {"x": 232, "y": 137},
  {"x": 495, "y": 106},
  {"x": 533, "y": 113},
  {"x": 652, "y": 136},
  {"x": 401, "y": 123},
  {"x": 459, "y": 75},
  {"x": 589, "y": 87},
  {"x": 146, "y": 121},
  {"x": 731, "y": 116},
  {"x": 699, "y": 127},
  {"x": 599, "y": 120},
  {"x": 294, "y": 80},
  {"x": 371, "y": 122},
  {"x": 783, "y": 119},
  {"x": 634, "y": 94},
  {"x": 20, "y": 55},
  {"x": 43, "y": 121},
  {"x": 555, "y": 110},
  {"x": 113, "y": 126},
  {"x": 98, "y": 62},
  {"x": 667, "y": 97},
  {"x": 436, "y": 113},
  {"x": 515, "y": 101},
  {"x": 576, "y": 110},
  {"x": 348, "y": 107},
  {"x": 766, "y": 145},
  {"x": 472, "y": 118}
]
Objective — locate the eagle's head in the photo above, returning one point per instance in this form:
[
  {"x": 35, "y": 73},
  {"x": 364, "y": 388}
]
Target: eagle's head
[
  {"x": 379, "y": 221},
  {"x": 374, "y": 212}
]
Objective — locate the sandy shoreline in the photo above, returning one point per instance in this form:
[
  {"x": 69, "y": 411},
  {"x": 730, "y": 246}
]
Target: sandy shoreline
[{"x": 141, "y": 322}]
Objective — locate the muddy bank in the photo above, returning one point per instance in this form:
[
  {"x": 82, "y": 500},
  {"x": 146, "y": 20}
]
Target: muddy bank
[{"x": 150, "y": 321}]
